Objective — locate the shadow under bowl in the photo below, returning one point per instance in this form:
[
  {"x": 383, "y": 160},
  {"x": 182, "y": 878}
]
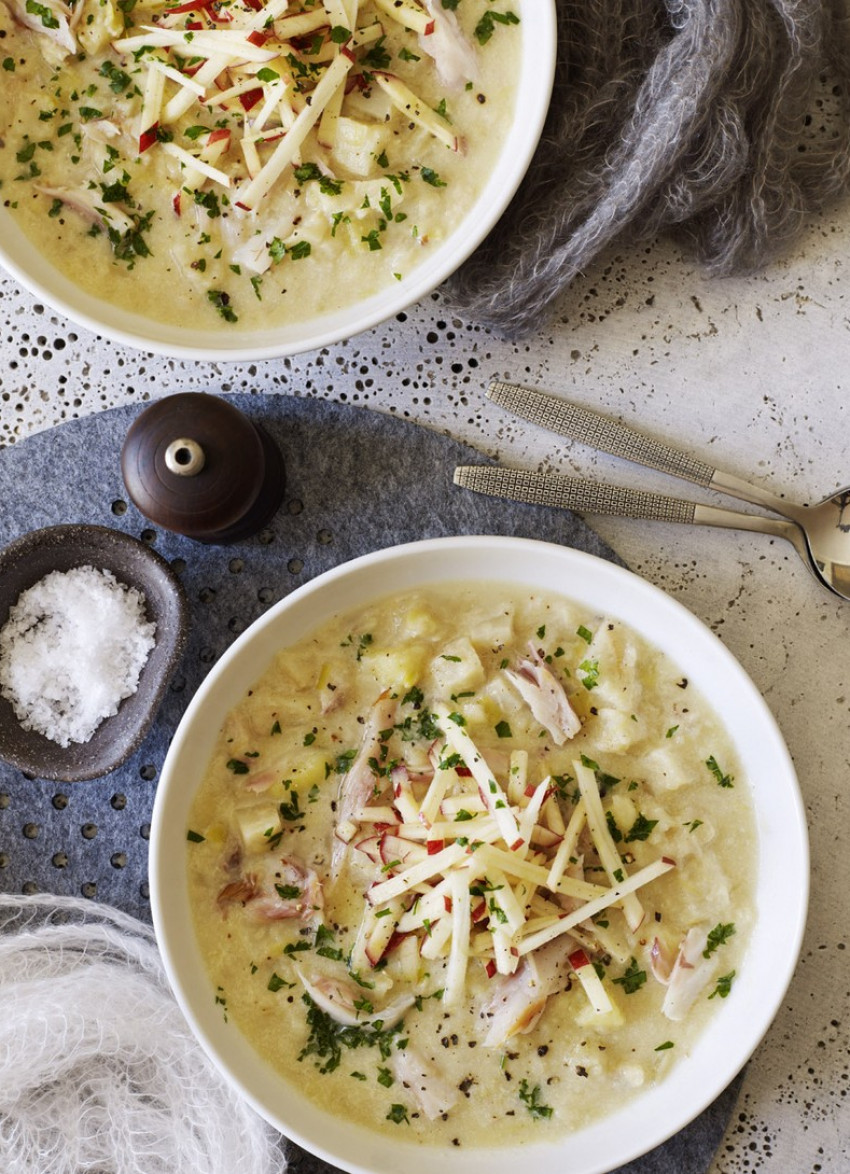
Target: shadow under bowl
[{"x": 23, "y": 563}]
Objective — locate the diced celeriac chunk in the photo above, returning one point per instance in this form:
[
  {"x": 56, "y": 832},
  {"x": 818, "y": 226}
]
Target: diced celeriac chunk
[
  {"x": 457, "y": 668},
  {"x": 614, "y": 730},
  {"x": 400, "y": 665},
  {"x": 99, "y": 23},
  {"x": 495, "y": 631},
  {"x": 617, "y": 683},
  {"x": 256, "y": 823},
  {"x": 669, "y": 765},
  {"x": 357, "y": 145}
]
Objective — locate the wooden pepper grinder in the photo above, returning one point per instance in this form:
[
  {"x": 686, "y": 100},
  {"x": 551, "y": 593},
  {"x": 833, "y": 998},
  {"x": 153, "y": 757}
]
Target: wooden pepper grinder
[{"x": 195, "y": 464}]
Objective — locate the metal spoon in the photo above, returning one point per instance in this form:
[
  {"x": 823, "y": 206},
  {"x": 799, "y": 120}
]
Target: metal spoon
[{"x": 819, "y": 533}]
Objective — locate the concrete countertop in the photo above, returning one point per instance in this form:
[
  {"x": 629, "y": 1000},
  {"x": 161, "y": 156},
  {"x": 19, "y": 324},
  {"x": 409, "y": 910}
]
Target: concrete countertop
[{"x": 750, "y": 374}]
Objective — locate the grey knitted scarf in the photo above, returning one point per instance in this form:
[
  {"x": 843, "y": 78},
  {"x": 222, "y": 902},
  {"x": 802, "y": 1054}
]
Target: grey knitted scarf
[{"x": 725, "y": 121}]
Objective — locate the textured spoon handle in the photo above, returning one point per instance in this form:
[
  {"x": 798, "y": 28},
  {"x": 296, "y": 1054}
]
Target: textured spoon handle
[
  {"x": 599, "y": 432},
  {"x": 571, "y": 493}
]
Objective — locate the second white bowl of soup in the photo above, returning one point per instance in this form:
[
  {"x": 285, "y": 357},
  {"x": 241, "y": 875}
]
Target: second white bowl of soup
[
  {"x": 228, "y": 180},
  {"x": 475, "y": 844}
]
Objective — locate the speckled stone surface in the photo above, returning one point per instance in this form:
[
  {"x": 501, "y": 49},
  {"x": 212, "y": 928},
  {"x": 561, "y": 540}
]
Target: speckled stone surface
[{"x": 751, "y": 374}]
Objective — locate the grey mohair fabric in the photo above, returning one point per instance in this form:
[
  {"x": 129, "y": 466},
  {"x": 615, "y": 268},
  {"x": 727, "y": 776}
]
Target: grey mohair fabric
[{"x": 726, "y": 121}]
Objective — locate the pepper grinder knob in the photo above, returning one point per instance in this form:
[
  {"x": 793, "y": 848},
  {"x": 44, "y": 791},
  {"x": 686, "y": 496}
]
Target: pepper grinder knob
[
  {"x": 195, "y": 464},
  {"x": 184, "y": 457}
]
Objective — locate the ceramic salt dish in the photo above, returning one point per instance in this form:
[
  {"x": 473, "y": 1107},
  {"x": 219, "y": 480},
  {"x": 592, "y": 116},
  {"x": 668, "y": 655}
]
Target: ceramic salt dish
[{"x": 27, "y": 561}]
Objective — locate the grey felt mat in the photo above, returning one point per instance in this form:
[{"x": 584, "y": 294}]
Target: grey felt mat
[{"x": 357, "y": 481}]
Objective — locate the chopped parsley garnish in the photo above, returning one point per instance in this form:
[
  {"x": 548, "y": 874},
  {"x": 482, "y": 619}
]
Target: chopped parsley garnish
[
  {"x": 221, "y": 300},
  {"x": 377, "y": 57},
  {"x": 332, "y": 952},
  {"x": 641, "y": 829},
  {"x": 118, "y": 79},
  {"x": 328, "y": 1039},
  {"x": 430, "y": 176},
  {"x": 530, "y": 1097},
  {"x": 342, "y": 763},
  {"x": 114, "y": 193},
  {"x": 311, "y": 171},
  {"x": 361, "y": 644},
  {"x": 487, "y": 24},
  {"x": 293, "y": 948},
  {"x": 413, "y": 696},
  {"x": 129, "y": 245},
  {"x": 290, "y": 810},
  {"x": 221, "y": 1001},
  {"x": 209, "y": 202},
  {"x": 718, "y": 937},
  {"x": 724, "y": 985},
  {"x": 277, "y": 249},
  {"x": 47, "y": 17},
  {"x": 723, "y": 780},
  {"x": 632, "y": 979},
  {"x": 195, "y": 837},
  {"x": 614, "y": 832},
  {"x": 603, "y": 779},
  {"x": 589, "y": 670}
]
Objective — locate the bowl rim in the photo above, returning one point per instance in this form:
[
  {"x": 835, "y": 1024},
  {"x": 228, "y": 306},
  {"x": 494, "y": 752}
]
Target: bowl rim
[
  {"x": 782, "y": 879},
  {"x": 35, "y": 273},
  {"x": 120, "y": 734}
]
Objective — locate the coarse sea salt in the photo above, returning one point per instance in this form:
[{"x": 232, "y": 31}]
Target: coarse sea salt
[{"x": 72, "y": 649}]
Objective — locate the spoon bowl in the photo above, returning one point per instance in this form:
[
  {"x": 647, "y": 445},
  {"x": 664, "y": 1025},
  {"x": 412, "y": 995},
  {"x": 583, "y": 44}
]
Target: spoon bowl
[{"x": 826, "y": 529}]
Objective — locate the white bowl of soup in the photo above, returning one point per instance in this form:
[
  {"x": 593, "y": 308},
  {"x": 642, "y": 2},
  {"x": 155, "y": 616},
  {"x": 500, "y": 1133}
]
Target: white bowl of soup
[
  {"x": 479, "y": 844},
  {"x": 239, "y": 181}
]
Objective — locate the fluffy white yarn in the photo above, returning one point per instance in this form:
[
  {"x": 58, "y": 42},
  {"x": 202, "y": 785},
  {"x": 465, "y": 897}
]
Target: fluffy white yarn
[{"x": 98, "y": 1070}]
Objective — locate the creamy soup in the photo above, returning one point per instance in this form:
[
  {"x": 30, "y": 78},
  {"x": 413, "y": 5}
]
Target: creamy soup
[
  {"x": 466, "y": 863},
  {"x": 249, "y": 162}
]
